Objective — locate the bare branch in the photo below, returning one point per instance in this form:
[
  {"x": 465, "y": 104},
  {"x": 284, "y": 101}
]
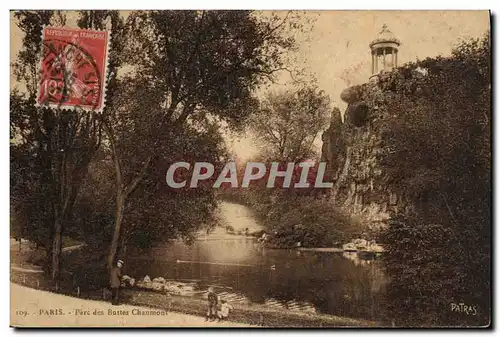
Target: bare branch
[{"x": 135, "y": 182}]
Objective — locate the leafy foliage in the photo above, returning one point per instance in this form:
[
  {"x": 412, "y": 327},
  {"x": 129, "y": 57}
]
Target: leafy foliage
[
  {"x": 155, "y": 213},
  {"x": 439, "y": 252},
  {"x": 189, "y": 70},
  {"x": 310, "y": 221},
  {"x": 289, "y": 122},
  {"x": 207, "y": 62}
]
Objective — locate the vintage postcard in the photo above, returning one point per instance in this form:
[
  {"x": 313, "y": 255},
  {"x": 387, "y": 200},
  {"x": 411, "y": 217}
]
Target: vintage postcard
[{"x": 250, "y": 168}]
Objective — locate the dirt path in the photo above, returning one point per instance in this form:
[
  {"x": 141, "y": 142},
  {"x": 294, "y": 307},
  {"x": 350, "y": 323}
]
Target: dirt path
[
  {"x": 36, "y": 308},
  {"x": 25, "y": 270}
]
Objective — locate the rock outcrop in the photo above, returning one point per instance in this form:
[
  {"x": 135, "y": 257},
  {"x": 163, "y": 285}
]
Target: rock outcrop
[{"x": 353, "y": 150}]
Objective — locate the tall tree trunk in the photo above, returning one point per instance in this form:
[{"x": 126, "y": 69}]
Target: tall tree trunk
[
  {"x": 56, "y": 252},
  {"x": 115, "y": 241},
  {"x": 123, "y": 246},
  {"x": 48, "y": 262},
  {"x": 122, "y": 194}
]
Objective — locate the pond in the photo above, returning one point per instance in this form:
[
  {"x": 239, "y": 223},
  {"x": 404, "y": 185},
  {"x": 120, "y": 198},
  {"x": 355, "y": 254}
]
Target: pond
[{"x": 241, "y": 270}]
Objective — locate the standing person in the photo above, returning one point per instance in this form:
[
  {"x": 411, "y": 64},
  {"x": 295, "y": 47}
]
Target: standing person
[
  {"x": 212, "y": 304},
  {"x": 115, "y": 281}
]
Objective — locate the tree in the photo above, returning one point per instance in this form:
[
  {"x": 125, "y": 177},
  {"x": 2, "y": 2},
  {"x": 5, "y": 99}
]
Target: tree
[
  {"x": 288, "y": 123},
  {"x": 61, "y": 142},
  {"x": 191, "y": 67},
  {"x": 156, "y": 213},
  {"x": 438, "y": 252}
]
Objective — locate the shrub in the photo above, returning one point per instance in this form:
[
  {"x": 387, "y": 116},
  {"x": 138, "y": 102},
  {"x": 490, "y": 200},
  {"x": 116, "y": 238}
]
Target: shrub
[{"x": 312, "y": 222}]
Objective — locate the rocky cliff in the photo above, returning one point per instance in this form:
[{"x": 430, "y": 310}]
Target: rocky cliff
[{"x": 353, "y": 149}]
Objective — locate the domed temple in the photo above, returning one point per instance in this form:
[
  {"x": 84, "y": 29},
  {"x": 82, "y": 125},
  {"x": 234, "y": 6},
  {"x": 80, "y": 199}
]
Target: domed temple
[{"x": 384, "y": 50}]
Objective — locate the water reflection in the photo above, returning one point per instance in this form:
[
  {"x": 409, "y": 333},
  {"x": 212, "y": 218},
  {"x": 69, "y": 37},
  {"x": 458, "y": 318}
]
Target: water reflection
[{"x": 334, "y": 283}]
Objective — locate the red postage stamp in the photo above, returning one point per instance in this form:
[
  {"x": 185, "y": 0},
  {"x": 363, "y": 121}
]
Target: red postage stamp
[{"x": 73, "y": 68}]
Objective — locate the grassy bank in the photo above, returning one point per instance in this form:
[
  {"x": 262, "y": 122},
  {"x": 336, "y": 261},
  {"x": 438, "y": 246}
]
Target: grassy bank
[{"x": 254, "y": 314}]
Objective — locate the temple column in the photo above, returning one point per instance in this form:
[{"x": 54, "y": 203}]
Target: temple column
[
  {"x": 384, "y": 43},
  {"x": 383, "y": 61},
  {"x": 374, "y": 62}
]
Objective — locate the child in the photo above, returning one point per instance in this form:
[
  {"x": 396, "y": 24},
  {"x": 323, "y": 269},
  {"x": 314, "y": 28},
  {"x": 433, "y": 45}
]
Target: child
[
  {"x": 212, "y": 304},
  {"x": 224, "y": 310}
]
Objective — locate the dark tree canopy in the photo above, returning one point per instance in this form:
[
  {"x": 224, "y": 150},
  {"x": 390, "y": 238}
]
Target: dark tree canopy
[
  {"x": 207, "y": 61},
  {"x": 439, "y": 253}
]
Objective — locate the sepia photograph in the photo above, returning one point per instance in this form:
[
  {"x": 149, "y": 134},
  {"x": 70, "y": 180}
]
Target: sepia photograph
[{"x": 250, "y": 168}]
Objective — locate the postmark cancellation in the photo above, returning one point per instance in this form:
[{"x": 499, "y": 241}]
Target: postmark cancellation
[{"x": 73, "y": 68}]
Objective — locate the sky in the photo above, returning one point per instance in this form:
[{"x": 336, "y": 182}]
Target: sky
[{"x": 338, "y": 43}]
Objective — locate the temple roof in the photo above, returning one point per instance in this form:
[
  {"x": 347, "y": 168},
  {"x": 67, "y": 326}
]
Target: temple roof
[{"x": 385, "y": 35}]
